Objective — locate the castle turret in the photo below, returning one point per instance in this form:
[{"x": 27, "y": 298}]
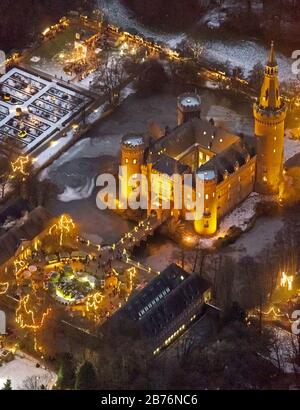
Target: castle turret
[
  {"x": 132, "y": 156},
  {"x": 207, "y": 225},
  {"x": 269, "y": 113},
  {"x": 188, "y": 106}
]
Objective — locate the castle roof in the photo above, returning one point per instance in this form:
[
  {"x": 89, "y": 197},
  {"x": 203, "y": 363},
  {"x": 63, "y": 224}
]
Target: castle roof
[
  {"x": 170, "y": 166},
  {"x": 195, "y": 131},
  {"x": 230, "y": 150},
  {"x": 227, "y": 161}
]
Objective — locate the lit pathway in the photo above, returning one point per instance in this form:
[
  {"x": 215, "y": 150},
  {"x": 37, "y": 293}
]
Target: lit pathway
[{"x": 132, "y": 239}]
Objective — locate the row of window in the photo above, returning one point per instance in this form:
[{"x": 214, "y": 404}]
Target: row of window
[
  {"x": 154, "y": 302},
  {"x": 133, "y": 161}
]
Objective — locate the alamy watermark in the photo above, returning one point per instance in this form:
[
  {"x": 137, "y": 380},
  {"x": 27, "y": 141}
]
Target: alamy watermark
[
  {"x": 179, "y": 192},
  {"x": 296, "y": 63},
  {"x": 296, "y": 322},
  {"x": 2, "y": 62}
]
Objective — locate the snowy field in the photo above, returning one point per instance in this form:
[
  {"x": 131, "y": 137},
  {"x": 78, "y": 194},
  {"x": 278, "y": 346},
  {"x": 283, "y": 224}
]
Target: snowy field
[
  {"x": 22, "y": 368},
  {"x": 284, "y": 350},
  {"x": 240, "y": 218},
  {"x": 46, "y": 108},
  {"x": 119, "y": 15},
  {"x": 240, "y": 53},
  {"x": 291, "y": 147}
]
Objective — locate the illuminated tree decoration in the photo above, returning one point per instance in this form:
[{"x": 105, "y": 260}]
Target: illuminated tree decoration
[
  {"x": 286, "y": 281},
  {"x": 27, "y": 318},
  {"x": 20, "y": 166},
  {"x": 63, "y": 228}
]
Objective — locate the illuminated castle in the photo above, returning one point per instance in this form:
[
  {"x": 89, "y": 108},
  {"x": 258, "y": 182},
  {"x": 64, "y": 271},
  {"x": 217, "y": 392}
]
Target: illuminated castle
[
  {"x": 230, "y": 166},
  {"x": 269, "y": 114}
]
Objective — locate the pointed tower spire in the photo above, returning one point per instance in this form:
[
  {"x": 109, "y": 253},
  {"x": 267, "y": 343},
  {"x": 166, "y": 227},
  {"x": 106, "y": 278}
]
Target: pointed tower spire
[
  {"x": 269, "y": 96},
  {"x": 272, "y": 59}
]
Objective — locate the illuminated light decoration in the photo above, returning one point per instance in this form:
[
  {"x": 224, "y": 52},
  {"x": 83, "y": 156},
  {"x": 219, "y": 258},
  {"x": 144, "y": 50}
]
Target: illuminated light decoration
[
  {"x": 115, "y": 272},
  {"x": 94, "y": 301},
  {"x": 286, "y": 281},
  {"x": 19, "y": 166},
  {"x": 132, "y": 274},
  {"x": 4, "y": 288},
  {"x": 63, "y": 227},
  {"x": 277, "y": 314},
  {"x": 32, "y": 322},
  {"x": 20, "y": 266},
  {"x": 46, "y": 31}
]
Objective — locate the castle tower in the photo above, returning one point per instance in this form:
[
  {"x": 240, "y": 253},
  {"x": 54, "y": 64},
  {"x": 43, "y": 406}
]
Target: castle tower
[
  {"x": 269, "y": 113},
  {"x": 188, "y": 106},
  {"x": 132, "y": 156},
  {"x": 207, "y": 225}
]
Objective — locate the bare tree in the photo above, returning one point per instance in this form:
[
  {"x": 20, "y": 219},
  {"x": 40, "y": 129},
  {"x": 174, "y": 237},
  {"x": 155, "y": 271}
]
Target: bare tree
[
  {"x": 37, "y": 382},
  {"x": 184, "y": 348},
  {"x": 110, "y": 78},
  {"x": 196, "y": 49}
]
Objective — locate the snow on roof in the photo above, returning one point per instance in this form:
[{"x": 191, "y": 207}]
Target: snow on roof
[
  {"x": 190, "y": 100},
  {"x": 206, "y": 175},
  {"x": 133, "y": 141}
]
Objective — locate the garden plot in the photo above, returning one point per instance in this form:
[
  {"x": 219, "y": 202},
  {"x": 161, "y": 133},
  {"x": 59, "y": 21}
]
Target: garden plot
[{"x": 32, "y": 109}]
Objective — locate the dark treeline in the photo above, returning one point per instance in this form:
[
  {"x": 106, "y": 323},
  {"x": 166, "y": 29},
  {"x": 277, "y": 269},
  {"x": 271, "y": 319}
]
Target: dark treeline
[
  {"x": 168, "y": 14},
  {"x": 22, "y": 19}
]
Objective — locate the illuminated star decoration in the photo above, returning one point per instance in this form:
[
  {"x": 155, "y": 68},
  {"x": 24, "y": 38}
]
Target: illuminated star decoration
[
  {"x": 19, "y": 166},
  {"x": 64, "y": 226}
]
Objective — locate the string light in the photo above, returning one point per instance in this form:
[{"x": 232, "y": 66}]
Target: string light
[
  {"x": 286, "y": 281},
  {"x": 19, "y": 166},
  {"x": 32, "y": 324},
  {"x": 4, "y": 288},
  {"x": 20, "y": 266},
  {"x": 94, "y": 301},
  {"x": 64, "y": 226}
]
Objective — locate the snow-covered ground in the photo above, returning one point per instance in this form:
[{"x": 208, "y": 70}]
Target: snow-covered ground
[
  {"x": 119, "y": 15},
  {"x": 284, "y": 350},
  {"x": 54, "y": 147},
  {"x": 229, "y": 119},
  {"x": 246, "y": 54},
  {"x": 240, "y": 53},
  {"x": 240, "y": 218},
  {"x": 74, "y": 194},
  {"x": 291, "y": 147},
  {"x": 22, "y": 368}
]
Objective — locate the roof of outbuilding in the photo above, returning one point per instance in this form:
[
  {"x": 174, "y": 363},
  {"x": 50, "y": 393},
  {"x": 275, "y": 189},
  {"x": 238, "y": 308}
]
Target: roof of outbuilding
[
  {"x": 32, "y": 226},
  {"x": 161, "y": 301}
]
